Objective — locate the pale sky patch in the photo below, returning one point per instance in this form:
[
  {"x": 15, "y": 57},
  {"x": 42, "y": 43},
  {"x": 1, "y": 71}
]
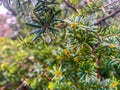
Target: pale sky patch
[{"x": 2, "y": 10}]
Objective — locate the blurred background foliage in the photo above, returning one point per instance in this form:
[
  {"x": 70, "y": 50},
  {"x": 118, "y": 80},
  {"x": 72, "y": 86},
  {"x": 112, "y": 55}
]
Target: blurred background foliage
[{"x": 61, "y": 45}]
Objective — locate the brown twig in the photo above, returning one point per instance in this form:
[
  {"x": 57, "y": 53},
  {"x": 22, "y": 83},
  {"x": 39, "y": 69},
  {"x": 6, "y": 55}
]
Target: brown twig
[
  {"x": 70, "y": 5},
  {"x": 111, "y": 3},
  {"x": 99, "y": 75},
  {"x": 22, "y": 85},
  {"x": 105, "y": 18}
]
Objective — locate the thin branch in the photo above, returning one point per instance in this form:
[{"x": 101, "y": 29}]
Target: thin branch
[
  {"x": 20, "y": 87},
  {"x": 70, "y": 5},
  {"x": 105, "y": 18},
  {"x": 111, "y": 3}
]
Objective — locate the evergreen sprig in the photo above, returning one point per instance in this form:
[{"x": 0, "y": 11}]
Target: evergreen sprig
[{"x": 46, "y": 17}]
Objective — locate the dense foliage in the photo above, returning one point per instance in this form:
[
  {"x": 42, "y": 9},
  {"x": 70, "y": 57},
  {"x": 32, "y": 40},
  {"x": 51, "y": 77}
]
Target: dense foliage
[{"x": 69, "y": 47}]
